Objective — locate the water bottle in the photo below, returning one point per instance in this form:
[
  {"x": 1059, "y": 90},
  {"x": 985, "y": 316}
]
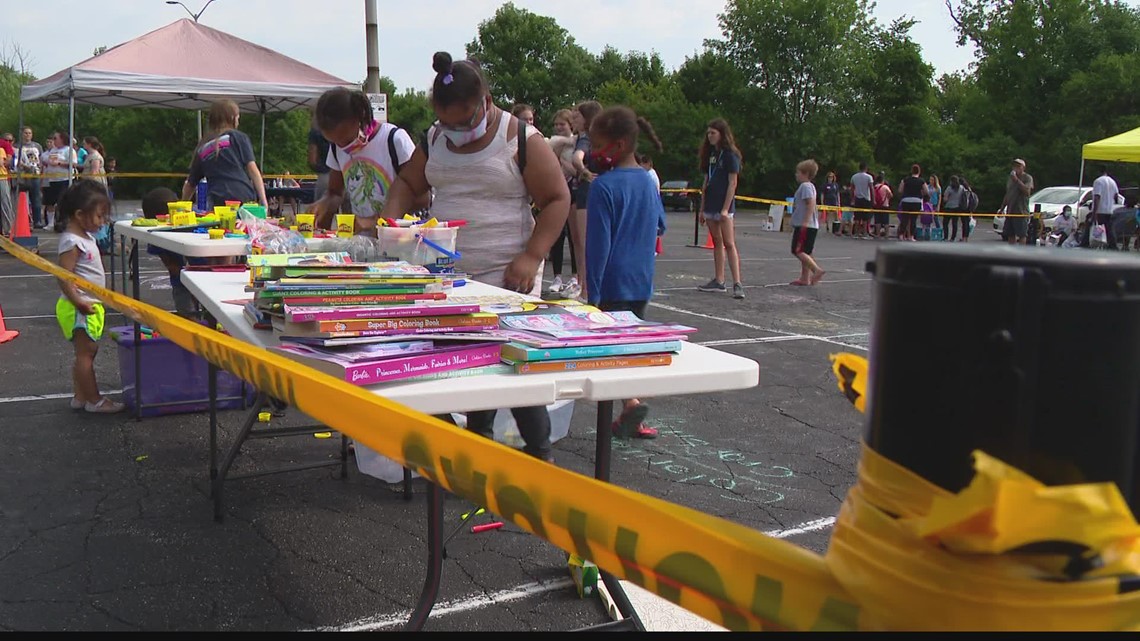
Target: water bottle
[{"x": 203, "y": 190}]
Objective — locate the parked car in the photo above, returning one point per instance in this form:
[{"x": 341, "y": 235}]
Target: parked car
[
  {"x": 1052, "y": 200},
  {"x": 679, "y": 201}
]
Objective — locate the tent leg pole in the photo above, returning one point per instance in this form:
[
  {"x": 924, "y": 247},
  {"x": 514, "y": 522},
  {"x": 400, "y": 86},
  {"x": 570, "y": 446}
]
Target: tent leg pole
[
  {"x": 70, "y": 127},
  {"x": 1081, "y": 179},
  {"x": 261, "y": 164}
]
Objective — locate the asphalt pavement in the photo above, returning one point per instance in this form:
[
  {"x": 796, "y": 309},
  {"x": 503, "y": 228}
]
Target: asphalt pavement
[{"x": 106, "y": 524}]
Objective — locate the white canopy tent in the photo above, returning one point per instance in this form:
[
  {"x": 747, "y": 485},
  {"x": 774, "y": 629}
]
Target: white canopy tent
[{"x": 185, "y": 65}]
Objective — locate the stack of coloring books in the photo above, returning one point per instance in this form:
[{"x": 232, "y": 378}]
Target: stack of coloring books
[
  {"x": 582, "y": 338},
  {"x": 370, "y": 323}
]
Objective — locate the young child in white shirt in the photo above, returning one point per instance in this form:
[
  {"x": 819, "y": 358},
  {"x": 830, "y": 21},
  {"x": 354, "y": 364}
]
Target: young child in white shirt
[{"x": 84, "y": 208}]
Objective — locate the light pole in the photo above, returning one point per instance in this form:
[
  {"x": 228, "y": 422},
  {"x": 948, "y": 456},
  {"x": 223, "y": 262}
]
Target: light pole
[{"x": 192, "y": 14}]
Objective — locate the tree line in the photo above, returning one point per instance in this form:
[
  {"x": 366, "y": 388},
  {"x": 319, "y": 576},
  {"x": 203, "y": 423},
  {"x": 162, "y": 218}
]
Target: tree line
[{"x": 795, "y": 78}]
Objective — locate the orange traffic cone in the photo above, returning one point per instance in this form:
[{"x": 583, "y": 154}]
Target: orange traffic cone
[
  {"x": 708, "y": 243},
  {"x": 22, "y": 230},
  {"x": 5, "y": 333}
]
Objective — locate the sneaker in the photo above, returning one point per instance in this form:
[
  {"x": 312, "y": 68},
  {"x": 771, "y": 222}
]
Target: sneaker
[
  {"x": 557, "y": 285},
  {"x": 105, "y": 406},
  {"x": 713, "y": 285},
  {"x": 738, "y": 291},
  {"x": 629, "y": 423},
  {"x": 572, "y": 289},
  {"x": 642, "y": 431}
]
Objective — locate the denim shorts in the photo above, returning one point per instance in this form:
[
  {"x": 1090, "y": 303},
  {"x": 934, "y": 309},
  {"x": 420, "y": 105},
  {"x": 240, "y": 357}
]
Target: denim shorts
[{"x": 716, "y": 216}]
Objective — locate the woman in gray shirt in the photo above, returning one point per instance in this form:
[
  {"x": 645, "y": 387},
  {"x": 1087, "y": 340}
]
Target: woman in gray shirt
[{"x": 952, "y": 204}]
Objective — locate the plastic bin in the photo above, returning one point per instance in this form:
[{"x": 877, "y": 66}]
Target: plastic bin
[
  {"x": 402, "y": 243},
  {"x": 175, "y": 381},
  {"x": 505, "y": 429}
]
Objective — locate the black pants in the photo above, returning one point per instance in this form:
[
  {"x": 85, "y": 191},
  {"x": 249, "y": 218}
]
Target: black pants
[
  {"x": 35, "y": 202},
  {"x": 908, "y": 217},
  {"x": 556, "y": 253},
  {"x": 533, "y": 424},
  {"x": 950, "y": 224}
]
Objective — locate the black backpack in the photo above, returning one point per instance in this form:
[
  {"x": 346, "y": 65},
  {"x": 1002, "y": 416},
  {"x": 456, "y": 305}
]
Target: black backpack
[
  {"x": 425, "y": 144},
  {"x": 971, "y": 201}
]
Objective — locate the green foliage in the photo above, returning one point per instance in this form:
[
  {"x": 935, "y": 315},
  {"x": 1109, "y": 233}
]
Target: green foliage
[{"x": 794, "y": 79}]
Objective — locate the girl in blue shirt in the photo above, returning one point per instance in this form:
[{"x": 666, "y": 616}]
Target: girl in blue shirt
[{"x": 624, "y": 217}]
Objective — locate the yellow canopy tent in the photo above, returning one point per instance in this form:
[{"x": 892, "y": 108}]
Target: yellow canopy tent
[{"x": 1123, "y": 147}]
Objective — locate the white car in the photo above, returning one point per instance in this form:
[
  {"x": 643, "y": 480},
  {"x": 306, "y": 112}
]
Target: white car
[{"x": 1052, "y": 200}]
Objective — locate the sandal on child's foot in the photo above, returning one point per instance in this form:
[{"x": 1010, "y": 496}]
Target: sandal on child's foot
[
  {"x": 105, "y": 406},
  {"x": 630, "y": 420},
  {"x": 77, "y": 404}
]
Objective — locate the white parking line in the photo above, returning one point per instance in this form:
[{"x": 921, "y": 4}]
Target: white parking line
[
  {"x": 733, "y": 321},
  {"x": 457, "y": 606},
  {"x": 42, "y": 316},
  {"x": 47, "y": 397},
  {"x": 50, "y": 276},
  {"x": 803, "y": 528},
  {"x": 787, "y": 284},
  {"x": 751, "y": 260},
  {"x": 476, "y": 601}
]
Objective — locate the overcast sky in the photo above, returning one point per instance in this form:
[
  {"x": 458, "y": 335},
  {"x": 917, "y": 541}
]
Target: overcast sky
[{"x": 329, "y": 34}]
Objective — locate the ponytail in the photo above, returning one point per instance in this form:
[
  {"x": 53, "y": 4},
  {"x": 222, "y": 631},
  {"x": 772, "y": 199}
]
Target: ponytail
[{"x": 647, "y": 129}]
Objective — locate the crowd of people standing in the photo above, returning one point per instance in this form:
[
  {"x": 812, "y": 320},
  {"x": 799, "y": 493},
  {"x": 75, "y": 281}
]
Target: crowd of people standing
[
  {"x": 44, "y": 171},
  {"x": 862, "y": 207}
]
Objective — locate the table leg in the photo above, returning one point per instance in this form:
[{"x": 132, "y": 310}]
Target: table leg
[
  {"x": 137, "y": 329},
  {"x": 602, "y": 455},
  {"x": 407, "y": 484},
  {"x": 219, "y": 482},
  {"x": 435, "y": 559},
  {"x": 343, "y": 455},
  {"x": 603, "y": 442},
  {"x": 112, "y": 237},
  {"x": 123, "y": 271},
  {"x": 212, "y": 385}
]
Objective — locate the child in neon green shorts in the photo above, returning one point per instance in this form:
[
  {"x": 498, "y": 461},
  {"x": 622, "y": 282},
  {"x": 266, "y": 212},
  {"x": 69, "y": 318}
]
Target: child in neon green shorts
[{"x": 84, "y": 208}]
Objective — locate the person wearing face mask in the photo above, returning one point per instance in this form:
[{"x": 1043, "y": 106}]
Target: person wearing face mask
[
  {"x": 364, "y": 159},
  {"x": 1064, "y": 225},
  {"x": 487, "y": 167}
]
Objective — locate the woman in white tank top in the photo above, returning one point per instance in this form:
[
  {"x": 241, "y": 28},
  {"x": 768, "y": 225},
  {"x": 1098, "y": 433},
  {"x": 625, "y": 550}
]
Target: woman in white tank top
[{"x": 470, "y": 158}]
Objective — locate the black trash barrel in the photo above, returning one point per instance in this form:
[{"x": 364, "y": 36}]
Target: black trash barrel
[{"x": 1030, "y": 355}]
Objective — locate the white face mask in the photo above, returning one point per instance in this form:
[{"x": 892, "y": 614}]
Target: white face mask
[{"x": 461, "y": 138}]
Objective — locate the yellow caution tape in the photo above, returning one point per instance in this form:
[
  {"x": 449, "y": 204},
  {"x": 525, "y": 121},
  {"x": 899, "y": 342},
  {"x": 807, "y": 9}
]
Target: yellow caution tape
[
  {"x": 725, "y": 572},
  {"x": 769, "y": 201},
  {"x": 999, "y": 555}
]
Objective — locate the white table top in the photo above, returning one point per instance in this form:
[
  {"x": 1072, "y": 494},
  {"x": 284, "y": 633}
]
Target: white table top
[
  {"x": 695, "y": 370},
  {"x": 194, "y": 245}
]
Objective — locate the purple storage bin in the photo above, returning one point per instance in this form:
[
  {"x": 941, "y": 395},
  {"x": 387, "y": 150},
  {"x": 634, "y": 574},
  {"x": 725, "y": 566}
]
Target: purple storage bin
[{"x": 173, "y": 375}]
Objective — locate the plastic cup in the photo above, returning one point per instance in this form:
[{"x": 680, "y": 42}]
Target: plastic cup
[
  {"x": 216, "y": 233},
  {"x": 345, "y": 224},
  {"x": 305, "y": 224}
]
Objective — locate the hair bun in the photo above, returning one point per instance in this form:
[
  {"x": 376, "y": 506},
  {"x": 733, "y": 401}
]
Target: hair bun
[{"x": 441, "y": 62}]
